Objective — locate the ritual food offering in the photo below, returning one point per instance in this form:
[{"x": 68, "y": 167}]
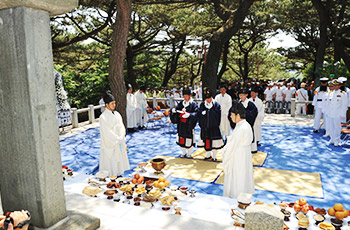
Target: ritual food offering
[
  {"x": 137, "y": 179},
  {"x": 300, "y": 216},
  {"x": 168, "y": 200},
  {"x": 155, "y": 193},
  {"x": 303, "y": 223},
  {"x": 113, "y": 185},
  {"x": 326, "y": 226},
  {"x": 259, "y": 202},
  {"x": 166, "y": 113},
  {"x": 109, "y": 192},
  {"x": 149, "y": 198},
  {"x": 161, "y": 183},
  {"x": 338, "y": 211},
  {"x": 319, "y": 218},
  {"x": 177, "y": 211},
  {"x": 91, "y": 191},
  {"x": 301, "y": 205},
  {"x": 113, "y": 178},
  {"x": 336, "y": 222},
  {"x": 283, "y": 205},
  {"x": 321, "y": 211},
  {"x": 127, "y": 187},
  {"x": 140, "y": 189}
]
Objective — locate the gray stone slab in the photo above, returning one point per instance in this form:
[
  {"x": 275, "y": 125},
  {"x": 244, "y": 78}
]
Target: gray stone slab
[
  {"x": 30, "y": 165},
  {"x": 75, "y": 221},
  {"x": 54, "y": 7}
]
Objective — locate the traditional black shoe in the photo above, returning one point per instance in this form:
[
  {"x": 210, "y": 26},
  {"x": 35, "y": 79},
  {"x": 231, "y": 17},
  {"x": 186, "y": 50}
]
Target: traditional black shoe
[
  {"x": 315, "y": 131},
  {"x": 214, "y": 159},
  {"x": 258, "y": 144},
  {"x": 131, "y": 130},
  {"x": 207, "y": 158},
  {"x": 254, "y": 152}
]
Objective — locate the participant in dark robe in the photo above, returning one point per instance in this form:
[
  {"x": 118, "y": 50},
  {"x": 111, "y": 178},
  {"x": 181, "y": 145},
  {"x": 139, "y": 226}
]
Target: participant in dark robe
[
  {"x": 251, "y": 113},
  {"x": 185, "y": 116},
  {"x": 209, "y": 115}
]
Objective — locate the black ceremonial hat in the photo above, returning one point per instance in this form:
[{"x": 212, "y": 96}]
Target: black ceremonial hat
[
  {"x": 207, "y": 93},
  {"x": 186, "y": 90}
]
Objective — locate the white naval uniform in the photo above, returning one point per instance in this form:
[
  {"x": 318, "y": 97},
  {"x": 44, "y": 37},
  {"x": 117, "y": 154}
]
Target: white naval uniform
[
  {"x": 141, "y": 104},
  {"x": 325, "y": 111},
  {"x": 317, "y": 102},
  {"x": 269, "y": 96},
  {"x": 237, "y": 161},
  {"x": 113, "y": 157},
  {"x": 225, "y": 102},
  {"x": 338, "y": 106},
  {"x": 131, "y": 115},
  {"x": 259, "y": 119},
  {"x": 301, "y": 96}
]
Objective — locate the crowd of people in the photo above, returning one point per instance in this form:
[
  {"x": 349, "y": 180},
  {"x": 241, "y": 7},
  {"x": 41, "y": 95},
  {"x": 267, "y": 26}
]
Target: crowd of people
[{"x": 229, "y": 119}]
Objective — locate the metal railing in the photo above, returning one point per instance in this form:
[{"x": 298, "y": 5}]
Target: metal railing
[
  {"x": 91, "y": 113},
  {"x": 91, "y": 108}
]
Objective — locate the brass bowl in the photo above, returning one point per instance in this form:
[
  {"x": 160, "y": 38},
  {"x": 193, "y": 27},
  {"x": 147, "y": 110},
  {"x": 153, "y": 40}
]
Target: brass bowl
[{"x": 158, "y": 164}]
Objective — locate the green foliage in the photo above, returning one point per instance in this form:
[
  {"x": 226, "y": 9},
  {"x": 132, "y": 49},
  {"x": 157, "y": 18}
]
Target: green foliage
[
  {"x": 339, "y": 69},
  {"x": 86, "y": 87}
]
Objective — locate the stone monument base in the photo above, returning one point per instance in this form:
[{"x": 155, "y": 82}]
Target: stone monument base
[{"x": 74, "y": 221}]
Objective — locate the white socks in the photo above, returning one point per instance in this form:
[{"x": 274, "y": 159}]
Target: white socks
[{"x": 215, "y": 151}]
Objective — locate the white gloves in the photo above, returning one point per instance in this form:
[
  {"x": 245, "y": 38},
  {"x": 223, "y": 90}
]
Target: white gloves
[
  {"x": 173, "y": 110},
  {"x": 186, "y": 115},
  {"x": 120, "y": 140},
  {"x": 204, "y": 112}
]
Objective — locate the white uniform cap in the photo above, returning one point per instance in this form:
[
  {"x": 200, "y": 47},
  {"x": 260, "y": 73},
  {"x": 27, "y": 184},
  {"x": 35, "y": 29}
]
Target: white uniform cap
[
  {"x": 342, "y": 79},
  {"x": 280, "y": 83},
  {"x": 303, "y": 84},
  {"x": 289, "y": 83},
  {"x": 270, "y": 84}
]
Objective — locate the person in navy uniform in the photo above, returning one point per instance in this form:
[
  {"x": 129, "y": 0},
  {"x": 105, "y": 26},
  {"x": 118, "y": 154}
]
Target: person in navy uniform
[
  {"x": 185, "y": 116},
  {"x": 209, "y": 115}
]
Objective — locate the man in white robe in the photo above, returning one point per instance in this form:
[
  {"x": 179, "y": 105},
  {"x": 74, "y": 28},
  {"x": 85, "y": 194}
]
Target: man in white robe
[
  {"x": 113, "y": 157},
  {"x": 259, "y": 119},
  {"x": 237, "y": 157},
  {"x": 225, "y": 102},
  {"x": 141, "y": 104},
  {"x": 131, "y": 110}
]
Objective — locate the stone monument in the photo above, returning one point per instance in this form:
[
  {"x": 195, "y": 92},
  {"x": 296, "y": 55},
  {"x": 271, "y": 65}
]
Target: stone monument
[
  {"x": 263, "y": 217},
  {"x": 30, "y": 165}
]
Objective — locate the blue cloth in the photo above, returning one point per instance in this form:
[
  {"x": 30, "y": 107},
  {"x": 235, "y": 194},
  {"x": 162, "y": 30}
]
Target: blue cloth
[{"x": 290, "y": 148}]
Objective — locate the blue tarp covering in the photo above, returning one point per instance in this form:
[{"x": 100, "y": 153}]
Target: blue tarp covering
[{"x": 290, "y": 148}]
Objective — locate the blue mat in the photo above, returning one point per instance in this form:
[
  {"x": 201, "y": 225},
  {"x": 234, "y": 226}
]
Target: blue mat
[{"x": 290, "y": 148}]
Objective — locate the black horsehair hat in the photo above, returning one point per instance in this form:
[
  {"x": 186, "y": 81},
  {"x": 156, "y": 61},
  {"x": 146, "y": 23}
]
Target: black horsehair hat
[
  {"x": 243, "y": 90},
  {"x": 108, "y": 97},
  {"x": 186, "y": 90},
  {"x": 207, "y": 93}
]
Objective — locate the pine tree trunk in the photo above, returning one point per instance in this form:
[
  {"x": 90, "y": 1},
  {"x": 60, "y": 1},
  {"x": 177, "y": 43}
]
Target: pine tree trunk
[
  {"x": 219, "y": 38},
  {"x": 118, "y": 53},
  {"x": 130, "y": 67}
]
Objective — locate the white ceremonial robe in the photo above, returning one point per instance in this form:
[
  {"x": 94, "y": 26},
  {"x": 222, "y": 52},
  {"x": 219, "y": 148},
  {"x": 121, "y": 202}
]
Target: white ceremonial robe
[
  {"x": 131, "y": 111},
  {"x": 237, "y": 161},
  {"x": 259, "y": 119},
  {"x": 113, "y": 157},
  {"x": 141, "y": 104},
  {"x": 226, "y": 103}
]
